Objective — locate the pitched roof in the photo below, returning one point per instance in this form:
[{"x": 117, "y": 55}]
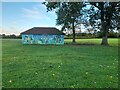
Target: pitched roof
[{"x": 43, "y": 30}]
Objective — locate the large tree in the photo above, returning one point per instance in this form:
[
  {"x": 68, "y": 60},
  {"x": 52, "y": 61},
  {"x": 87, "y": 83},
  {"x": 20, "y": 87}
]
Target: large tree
[
  {"x": 107, "y": 14},
  {"x": 68, "y": 14},
  {"x": 102, "y": 15}
]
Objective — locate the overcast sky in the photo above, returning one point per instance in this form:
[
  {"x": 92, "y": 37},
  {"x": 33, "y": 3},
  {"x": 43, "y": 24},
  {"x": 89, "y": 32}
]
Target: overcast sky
[{"x": 20, "y": 16}]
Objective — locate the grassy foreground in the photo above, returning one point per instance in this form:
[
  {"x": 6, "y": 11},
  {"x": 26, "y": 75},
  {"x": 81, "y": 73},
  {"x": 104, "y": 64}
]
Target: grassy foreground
[{"x": 60, "y": 66}]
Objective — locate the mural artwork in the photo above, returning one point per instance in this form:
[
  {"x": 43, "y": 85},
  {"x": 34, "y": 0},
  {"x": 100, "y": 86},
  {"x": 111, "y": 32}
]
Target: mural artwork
[{"x": 43, "y": 39}]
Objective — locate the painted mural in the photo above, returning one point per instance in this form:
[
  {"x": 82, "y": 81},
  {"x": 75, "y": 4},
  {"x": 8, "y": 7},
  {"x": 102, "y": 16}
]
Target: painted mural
[{"x": 43, "y": 39}]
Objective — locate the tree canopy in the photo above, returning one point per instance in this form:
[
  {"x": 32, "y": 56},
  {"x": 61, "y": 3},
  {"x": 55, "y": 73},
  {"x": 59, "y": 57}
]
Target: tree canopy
[
  {"x": 105, "y": 16},
  {"x": 101, "y": 15},
  {"x": 68, "y": 14}
]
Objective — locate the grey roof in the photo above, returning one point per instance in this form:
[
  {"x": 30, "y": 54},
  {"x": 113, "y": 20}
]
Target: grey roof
[{"x": 43, "y": 30}]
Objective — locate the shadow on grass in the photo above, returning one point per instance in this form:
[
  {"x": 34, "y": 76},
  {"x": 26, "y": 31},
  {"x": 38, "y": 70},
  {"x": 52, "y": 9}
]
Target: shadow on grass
[
  {"x": 68, "y": 44},
  {"x": 77, "y": 44},
  {"x": 65, "y": 44}
]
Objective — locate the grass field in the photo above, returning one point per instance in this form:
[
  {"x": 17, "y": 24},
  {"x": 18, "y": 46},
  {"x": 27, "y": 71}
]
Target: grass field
[
  {"x": 60, "y": 66},
  {"x": 111, "y": 41}
]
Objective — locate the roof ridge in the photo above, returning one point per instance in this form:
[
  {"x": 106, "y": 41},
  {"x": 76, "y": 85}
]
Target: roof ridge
[
  {"x": 44, "y": 27},
  {"x": 43, "y": 30}
]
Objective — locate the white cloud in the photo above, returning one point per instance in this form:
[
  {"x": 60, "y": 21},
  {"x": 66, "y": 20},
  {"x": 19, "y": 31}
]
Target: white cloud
[
  {"x": 7, "y": 31},
  {"x": 13, "y": 28},
  {"x": 29, "y": 11},
  {"x": 36, "y": 12},
  {"x": 43, "y": 8}
]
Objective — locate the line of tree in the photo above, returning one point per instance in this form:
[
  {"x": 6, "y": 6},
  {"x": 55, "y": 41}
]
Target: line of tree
[
  {"x": 99, "y": 15},
  {"x": 12, "y": 36},
  {"x": 97, "y": 34}
]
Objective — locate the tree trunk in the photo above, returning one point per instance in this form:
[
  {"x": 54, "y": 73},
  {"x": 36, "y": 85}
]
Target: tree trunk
[
  {"x": 73, "y": 28},
  {"x": 104, "y": 29},
  {"x": 104, "y": 37},
  {"x": 104, "y": 40},
  {"x": 105, "y": 33}
]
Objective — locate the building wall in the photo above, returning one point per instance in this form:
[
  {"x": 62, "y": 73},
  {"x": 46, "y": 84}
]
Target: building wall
[{"x": 42, "y": 39}]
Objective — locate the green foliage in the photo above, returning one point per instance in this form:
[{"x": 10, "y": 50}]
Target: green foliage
[
  {"x": 112, "y": 34},
  {"x": 51, "y": 5},
  {"x": 80, "y": 35},
  {"x": 68, "y": 14},
  {"x": 59, "y": 66},
  {"x": 101, "y": 15},
  {"x": 12, "y": 36},
  {"x": 98, "y": 34},
  {"x": 106, "y": 12}
]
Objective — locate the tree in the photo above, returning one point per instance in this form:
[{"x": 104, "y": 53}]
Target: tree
[
  {"x": 3, "y": 35},
  {"x": 108, "y": 15},
  {"x": 101, "y": 15},
  {"x": 12, "y": 36},
  {"x": 68, "y": 14}
]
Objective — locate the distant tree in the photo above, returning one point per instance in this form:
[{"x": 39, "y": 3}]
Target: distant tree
[
  {"x": 3, "y": 35},
  {"x": 112, "y": 34},
  {"x": 13, "y": 36},
  {"x": 19, "y": 36},
  {"x": 0, "y": 35}
]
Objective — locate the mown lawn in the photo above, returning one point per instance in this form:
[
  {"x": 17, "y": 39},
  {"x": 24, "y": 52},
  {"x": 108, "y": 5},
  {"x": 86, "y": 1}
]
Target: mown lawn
[
  {"x": 111, "y": 41},
  {"x": 60, "y": 66}
]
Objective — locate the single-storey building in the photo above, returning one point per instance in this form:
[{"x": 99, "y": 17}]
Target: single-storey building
[{"x": 43, "y": 35}]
